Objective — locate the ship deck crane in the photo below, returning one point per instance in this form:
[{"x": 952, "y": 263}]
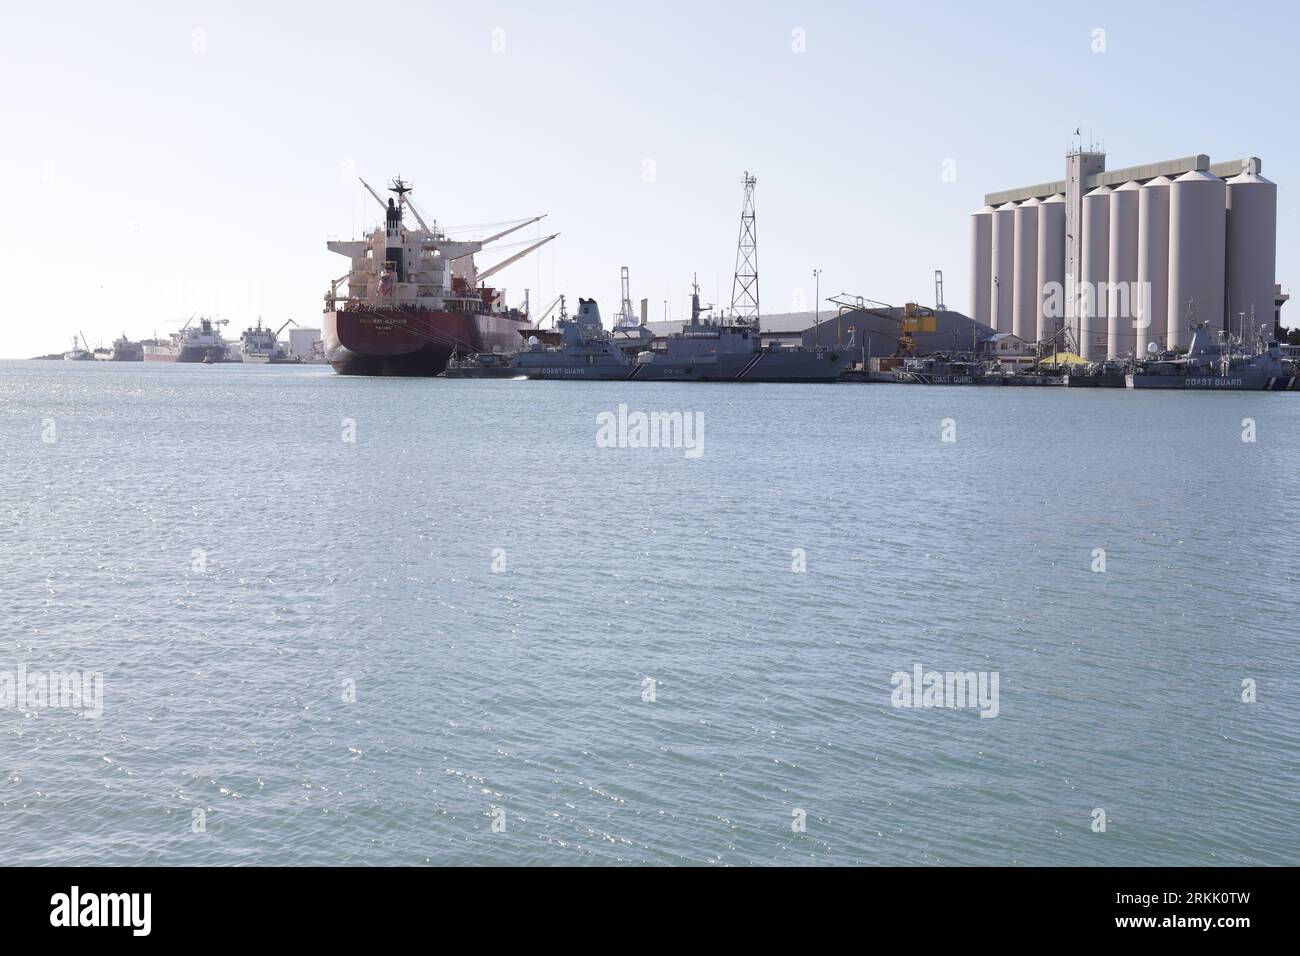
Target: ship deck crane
[
  {"x": 542, "y": 317},
  {"x": 515, "y": 228},
  {"x": 406, "y": 201},
  {"x": 515, "y": 258},
  {"x": 480, "y": 243}
]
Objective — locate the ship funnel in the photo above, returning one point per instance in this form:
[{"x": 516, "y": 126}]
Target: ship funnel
[{"x": 589, "y": 313}]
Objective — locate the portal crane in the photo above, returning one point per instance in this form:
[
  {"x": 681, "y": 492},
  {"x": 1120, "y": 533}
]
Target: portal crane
[{"x": 625, "y": 316}]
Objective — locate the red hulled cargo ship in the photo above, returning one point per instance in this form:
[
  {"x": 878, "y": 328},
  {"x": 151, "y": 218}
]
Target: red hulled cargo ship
[{"x": 414, "y": 298}]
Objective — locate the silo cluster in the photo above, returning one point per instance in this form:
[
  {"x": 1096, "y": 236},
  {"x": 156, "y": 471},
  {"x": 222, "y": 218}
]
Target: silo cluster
[{"x": 1160, "y": 248}]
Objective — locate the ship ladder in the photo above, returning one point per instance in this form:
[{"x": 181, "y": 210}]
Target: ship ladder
[{"x": 749, "y": 366}]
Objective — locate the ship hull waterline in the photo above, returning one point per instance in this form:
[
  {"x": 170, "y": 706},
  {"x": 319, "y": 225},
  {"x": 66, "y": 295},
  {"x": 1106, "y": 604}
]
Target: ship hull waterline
[
  {"x": 405, "y": 342},
  {"x": 1232, "y": 382}
]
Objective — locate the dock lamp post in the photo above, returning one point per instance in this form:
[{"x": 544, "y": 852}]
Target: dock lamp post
[{"x": 817, "y": 304}]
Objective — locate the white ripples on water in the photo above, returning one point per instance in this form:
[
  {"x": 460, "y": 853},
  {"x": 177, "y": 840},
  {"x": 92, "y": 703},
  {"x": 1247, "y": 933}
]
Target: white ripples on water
[{"x": 204, "y": 539}]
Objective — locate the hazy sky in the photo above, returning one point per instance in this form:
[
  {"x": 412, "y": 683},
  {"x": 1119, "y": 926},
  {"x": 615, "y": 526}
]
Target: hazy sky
[{"x": 164, "y": 158}]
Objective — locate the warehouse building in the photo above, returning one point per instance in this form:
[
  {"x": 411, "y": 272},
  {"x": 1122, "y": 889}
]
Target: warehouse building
[{"x": 1113, "y": 263}]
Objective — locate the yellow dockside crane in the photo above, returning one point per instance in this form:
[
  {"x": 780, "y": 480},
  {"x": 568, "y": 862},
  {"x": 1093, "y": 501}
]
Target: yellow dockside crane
[{"x": 911, "y": 318}]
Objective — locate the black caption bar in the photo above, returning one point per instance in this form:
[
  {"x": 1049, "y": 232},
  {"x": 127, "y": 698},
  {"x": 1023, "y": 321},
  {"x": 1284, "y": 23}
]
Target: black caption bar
[{"x": 332, "y": 906}]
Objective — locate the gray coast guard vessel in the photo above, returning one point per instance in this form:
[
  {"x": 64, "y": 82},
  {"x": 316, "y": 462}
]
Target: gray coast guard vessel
[
  {"x": 586, "y": 350},
  {"x": 1214, "y": 363},
  {"x": 728, "y": 349}
]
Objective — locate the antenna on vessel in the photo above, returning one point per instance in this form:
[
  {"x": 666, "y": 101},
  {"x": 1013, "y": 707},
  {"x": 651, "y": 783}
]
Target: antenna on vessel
[
  {"x": 696, "y": 309},
  {"x": 744, "y": 288}
]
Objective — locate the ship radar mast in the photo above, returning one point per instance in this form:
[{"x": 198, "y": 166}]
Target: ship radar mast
[
  {"x": 696, "y": 309},
  {"x": 394, "y": 211}
]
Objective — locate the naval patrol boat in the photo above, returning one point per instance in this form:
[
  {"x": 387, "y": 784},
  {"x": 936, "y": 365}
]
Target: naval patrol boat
[
  {"x": 1214, "y": 362},
  {"x": 945, "y": 368},
  {"x": 729, "y": 349},
  {"x": 586, "y": 350}
]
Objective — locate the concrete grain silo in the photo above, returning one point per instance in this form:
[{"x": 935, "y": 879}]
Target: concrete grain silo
[
  {"x": 1197, "y": 240},
  {"x": 1094, "y": 269},
  {"x": 1252, "y": 254},
  {"x": 1140, "y": 254},
  {"x": 1122, "y": 271},
  {"x": 1051, "y": 266},
  {"x": 981, "y": 266},
  {"x": 1002, "y": 288},
  {"x": 1153, "y": 264},
  {"x": 1024, "y": 305}
]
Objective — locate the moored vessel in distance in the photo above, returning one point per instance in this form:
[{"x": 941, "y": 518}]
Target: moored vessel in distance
[
  {"x": 944, "y": 369},
  {"x": 1215, "y": 362},
  {"x": 124, "y": 350},
  {"x": 193, "y": 343},
  {"x": 415, "y": 297},
  {"x": 260, "y": 345},
  {"x": 79, "y": 352},
  {"x": 729, "y": 349}
]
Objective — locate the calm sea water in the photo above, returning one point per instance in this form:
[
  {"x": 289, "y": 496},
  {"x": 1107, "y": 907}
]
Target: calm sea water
[{"x": 498, "y": 593}]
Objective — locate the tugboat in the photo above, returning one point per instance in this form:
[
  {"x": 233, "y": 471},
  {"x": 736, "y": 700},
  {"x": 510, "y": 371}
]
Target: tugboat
[
  {"x": 1214, "y": 362},
  {"x": 415, "y": 297},
  {"x": 482, "y": 365}
]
